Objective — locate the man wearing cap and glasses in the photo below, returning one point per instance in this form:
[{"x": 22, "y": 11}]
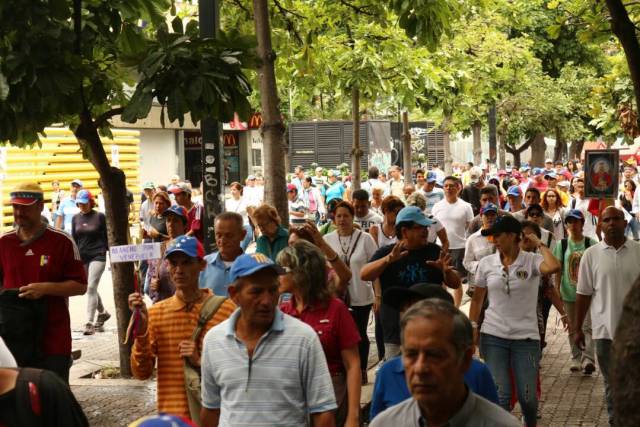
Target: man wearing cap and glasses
[
  {"x": 412, "y": 260},
  {"x": 42, "y": 262},
  {"x": 68, "y": 208},
  {"x": 263, "y": 367},
  {"x": 164, "y": 331},
  {"x": 195, "y": 211}
]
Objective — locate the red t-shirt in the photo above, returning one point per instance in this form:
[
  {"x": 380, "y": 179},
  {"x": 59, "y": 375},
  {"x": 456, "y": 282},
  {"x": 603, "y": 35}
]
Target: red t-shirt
[
  {"x": 335, "y": 327},
  {"x": 53, "y": 257},
  {"x": 194, "y": 221}
]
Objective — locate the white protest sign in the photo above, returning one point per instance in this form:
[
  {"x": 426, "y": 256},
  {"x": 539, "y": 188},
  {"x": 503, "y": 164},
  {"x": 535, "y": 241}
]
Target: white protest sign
[{"x": 129, "y": 253}]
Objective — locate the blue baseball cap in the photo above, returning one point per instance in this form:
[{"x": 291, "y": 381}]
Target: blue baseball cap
[
  {"x": 413, "y": 214},
  {"x": 188, "y": 245},
  {"x": 525, "y": 169},
  {"x": 538, "y": 171},
  {"x": 178, "y": 211},
  {"x": 514, "y": 191},
  {"x": 431, "y": 177},
  {"x": 247, "y": 264},
  {"x": 489, "y": 207},
  {"x": 550, "y": 175},
  {"x": 83, "y": 196},
  {"x": 574, "y": 213}
]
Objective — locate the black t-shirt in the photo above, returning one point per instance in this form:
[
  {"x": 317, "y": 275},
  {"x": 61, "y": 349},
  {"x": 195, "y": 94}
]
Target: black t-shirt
[
  {"x": 160, "y": 224},
  {"x": 90, "y": 233},
  {"x": 58, "y": 405},
  {"x": 405, "y": 272},
  {"x": 471, "y": 194}
]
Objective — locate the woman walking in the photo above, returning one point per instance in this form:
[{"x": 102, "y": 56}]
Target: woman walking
[
  {"x": 509, "y": 337},
  {"x": 356, "y": 248},
  {"x": 89, "y": 230},
  {"x": 625, "y": 202},
  {"x": 312, "y": 303},
  {"x": 554, "y": 208}
]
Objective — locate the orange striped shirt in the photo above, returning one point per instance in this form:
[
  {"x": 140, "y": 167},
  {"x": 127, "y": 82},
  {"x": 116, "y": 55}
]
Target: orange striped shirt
[{"x": 169, "y": 324}]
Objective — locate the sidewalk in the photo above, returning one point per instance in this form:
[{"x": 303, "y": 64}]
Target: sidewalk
[{"x": 568, "y": 399}]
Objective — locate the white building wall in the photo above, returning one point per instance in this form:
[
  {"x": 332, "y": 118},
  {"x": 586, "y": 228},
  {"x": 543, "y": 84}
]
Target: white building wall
[{"x": 158, "y": 157}]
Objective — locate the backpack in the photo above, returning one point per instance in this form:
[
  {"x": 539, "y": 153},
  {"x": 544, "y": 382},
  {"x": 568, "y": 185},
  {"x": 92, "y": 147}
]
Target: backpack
[
  {"x": 28, "y": 403},
  {"x": 565, "y": 244},
  {"x": 22, "y": 324}
]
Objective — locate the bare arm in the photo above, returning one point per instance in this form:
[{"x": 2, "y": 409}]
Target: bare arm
[
  {"x": 377, "y": 291},
  {"x": 68, "y": 288},
  {"x": 373, "y": 230},
  {"x": 59, "y": 221},
  {"x": 550, "y": 264},
  {"x": 582, "y": 307},
  {"x": 351, "y": 361},
  {"x": 479, "y": 294},
  {"x": 209, "y": 417},
  {"x": 372, "y": 270},
  {"x": 322, "y": 419},
  {"x": 442, "y": 235}
]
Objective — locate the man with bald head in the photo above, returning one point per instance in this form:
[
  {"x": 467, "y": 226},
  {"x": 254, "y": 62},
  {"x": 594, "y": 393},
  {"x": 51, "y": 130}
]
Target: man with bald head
[{"x": 607, "y": 272}]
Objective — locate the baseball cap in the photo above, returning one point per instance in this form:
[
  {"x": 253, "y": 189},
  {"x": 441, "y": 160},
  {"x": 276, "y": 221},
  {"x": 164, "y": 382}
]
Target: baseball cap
[
  {"x": 574, "y": 213},
  {"x": 291, "y": 187},
  {"x": 525, "y": 169},
  {"x": 548, "y": 161},
  {"x": 474, "y": 174},
  {"x": 77, "y": 182},
  {"x": 251, "y": 178},
  {"x": 180, "y": 188},
  {"x": 489, "y": 207},
  {"x": 564, "y": 184},
  {"x": 148, "y": 185},
  {"x": 550, "y": 175},
  {"x": 176, "y": 210},
  {"x": 26, "y": 194},
  {"x": 502, "y": 172},
  {"x": 247, "y": 264},
  {"x": 398, "y": 297},
  {"x": 413, "y": 214},
  {"x": 319, "y": 169},
  {"x": 162, "y": 420},
  {"x": 566, "y": 174},
  {"x": 514, "y": 191},
  {"x": 431, "y": 177},
  {"x": 188, "y": 245},
  {"x": 538, "y": 171},
  {"x": 83, "y": 196},
  {"x": 504, "y": 224},
  {"x": 534, "y": 207}
]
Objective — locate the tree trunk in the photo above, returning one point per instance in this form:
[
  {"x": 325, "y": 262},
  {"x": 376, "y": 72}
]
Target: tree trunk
[
  {"x": 446, "y": 143},
  {"x": 272, "y": 128},
  {"x": 625, "y": 30},
  {"x": 113, "y": 185},
  {"x": 576, "y": 149},
  {"x": 356, "y": 152},
  {"x": 516, "y": 151},
  {"x": 477, "y": 142},
  {"x": 537, "y": 150},
  {"x": 502, "y": 148},
  {"x": 406, "y": 148},
  {"x": 625, "y": 376},
  {"x": 560, "y": 149},
  {"x": 492, "y": 133}
]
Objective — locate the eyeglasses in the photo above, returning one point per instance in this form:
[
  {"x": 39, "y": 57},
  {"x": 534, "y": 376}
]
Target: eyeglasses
[
  {"x": 505, "y": 276},
  {"x": 534, "y": 215}
]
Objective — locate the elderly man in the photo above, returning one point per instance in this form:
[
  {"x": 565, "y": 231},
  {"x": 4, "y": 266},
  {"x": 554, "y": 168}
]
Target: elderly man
[
  {"x": 263, "y": 367},
  {"x": 433, "y": 330},
  {"x": 607, "y": 272},
  {"x": 229, "y": 235},
  {"x": 41, "y": 262}
]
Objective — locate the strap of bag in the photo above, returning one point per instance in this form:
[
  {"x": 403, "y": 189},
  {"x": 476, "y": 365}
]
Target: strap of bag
[
  {"x": 208, "y": 309},
  {"x": 564, "y": 243},
  {"x": 355, "y": 245},
  {"x": 28, "y": 396}
]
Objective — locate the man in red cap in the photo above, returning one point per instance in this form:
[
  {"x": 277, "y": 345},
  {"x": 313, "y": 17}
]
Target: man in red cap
[{"x": 42, "y": 262}]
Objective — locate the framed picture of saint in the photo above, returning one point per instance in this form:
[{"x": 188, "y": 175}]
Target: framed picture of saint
[{"x": 601, "y": 174}]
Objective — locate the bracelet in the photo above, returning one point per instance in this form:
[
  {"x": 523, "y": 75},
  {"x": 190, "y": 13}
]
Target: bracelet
[
  {"x": 474, "y": 325},
  {"x": 564, "y": 316},
  {"x": 333, "y": 259}
]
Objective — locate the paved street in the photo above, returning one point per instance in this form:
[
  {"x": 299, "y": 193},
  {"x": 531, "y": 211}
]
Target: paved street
[{"x": 567, "y": 399}]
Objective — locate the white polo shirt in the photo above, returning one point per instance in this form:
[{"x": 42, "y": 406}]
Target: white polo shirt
[
  {"x": 511, "y": 316},
  {"x": 454, "y": 217},
  {"x": 607, "y": 275},
  {"x": 476, "y": 248}
]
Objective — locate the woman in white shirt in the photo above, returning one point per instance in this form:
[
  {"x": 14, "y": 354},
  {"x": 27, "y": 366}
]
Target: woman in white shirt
[
  {"x": 238, "y": 204},
  {"x": 356, "y": 248},
  {"x": 554, "y": 209},
  {"x": 509, "y": 337}
]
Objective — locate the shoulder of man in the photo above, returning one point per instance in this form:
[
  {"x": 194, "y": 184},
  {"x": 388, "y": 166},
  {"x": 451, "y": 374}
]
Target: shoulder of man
[
  {"x": 400, "y": 415},
  {"x": 490, "y": 414}
]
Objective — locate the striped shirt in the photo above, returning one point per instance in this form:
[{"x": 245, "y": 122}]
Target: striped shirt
[
  {"x": 169, "y": 324},
  {"x": 285, "y": 380}
]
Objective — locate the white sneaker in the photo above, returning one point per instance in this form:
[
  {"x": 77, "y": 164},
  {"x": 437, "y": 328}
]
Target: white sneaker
[{"x": 576, "y": 366}]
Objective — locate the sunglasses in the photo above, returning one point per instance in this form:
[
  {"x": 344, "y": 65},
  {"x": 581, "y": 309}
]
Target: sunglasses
[
  {"x": 505, "y": 276},
  {"x": 535, "y": 214}
]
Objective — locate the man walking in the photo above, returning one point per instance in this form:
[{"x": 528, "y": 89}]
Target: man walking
[
  {"x": 195, "y": 211},
  {"x": 607, "y": 272},
  {"x": 42, "y": 262},
  {"x": 364, "y": 216},
  {"x": 262, "y": 367}
]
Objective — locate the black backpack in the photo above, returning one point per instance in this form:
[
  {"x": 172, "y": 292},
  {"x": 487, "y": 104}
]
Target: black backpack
[{"x": 22, "y": 324}]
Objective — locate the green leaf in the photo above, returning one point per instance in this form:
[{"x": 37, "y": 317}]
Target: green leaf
[{"x": 176, "y": 24}]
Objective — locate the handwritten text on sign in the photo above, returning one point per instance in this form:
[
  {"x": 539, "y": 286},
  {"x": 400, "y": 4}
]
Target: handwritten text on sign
[{"x": 129, "y": 253}]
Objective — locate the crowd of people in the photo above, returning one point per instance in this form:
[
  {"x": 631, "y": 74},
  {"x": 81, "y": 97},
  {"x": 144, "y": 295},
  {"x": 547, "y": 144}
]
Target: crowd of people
[{"x": 272, "y": 327}]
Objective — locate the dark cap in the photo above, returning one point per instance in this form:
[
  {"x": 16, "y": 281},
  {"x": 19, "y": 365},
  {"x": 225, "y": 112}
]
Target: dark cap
[
  {"x": 398, "y": 297},
  {"x": 504, "y": 224}
]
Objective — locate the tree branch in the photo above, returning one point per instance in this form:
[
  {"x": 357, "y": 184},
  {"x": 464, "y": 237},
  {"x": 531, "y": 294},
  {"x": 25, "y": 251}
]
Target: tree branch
[
  {"x": 358, "y": 9},
  {"x": 246, "y": 10},
  {"x": 516, "y": 150},
  {"x": 99, "y": 121},
  {"x": 290, "y": 26}
]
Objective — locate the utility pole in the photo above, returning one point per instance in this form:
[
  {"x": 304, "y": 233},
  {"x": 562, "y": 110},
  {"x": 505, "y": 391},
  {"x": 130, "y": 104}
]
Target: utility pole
[
  {"x": 211, "y": 146},
  {"x": 406, "y": 149}
]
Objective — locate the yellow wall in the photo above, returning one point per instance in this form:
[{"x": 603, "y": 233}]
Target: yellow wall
[{"x": 60, "y": 159}]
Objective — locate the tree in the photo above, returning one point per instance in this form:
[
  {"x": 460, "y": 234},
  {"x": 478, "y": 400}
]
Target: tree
[{"x": 68, "y": 62}]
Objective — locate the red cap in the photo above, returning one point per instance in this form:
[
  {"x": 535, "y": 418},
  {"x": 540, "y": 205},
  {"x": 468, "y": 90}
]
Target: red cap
[{"x": 292, "y": 187}]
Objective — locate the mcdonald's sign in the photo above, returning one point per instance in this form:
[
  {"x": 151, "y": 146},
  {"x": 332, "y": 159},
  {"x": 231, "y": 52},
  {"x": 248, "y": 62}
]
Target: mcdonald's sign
[
  {"x": 255, "y": 121},
  {"x": 230, "y": 140}
]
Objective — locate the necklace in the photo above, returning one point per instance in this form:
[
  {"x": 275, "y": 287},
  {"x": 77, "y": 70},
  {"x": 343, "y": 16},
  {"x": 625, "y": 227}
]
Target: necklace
[{"x": 345, "y": 250}]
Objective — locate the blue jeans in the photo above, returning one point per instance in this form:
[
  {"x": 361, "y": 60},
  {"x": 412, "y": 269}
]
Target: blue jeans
[
  {"x": 603, "y": 353},
  {"x": 248, "y": 238},
  {"x": 633, "y": 229},
  {"x": 523, "y": 358}
]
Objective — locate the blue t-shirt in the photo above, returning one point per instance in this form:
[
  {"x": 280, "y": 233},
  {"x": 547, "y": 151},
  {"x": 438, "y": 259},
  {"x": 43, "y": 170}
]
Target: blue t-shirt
[
  {"x": 391, "y": 386},
  {"x": 67, "y": 209},
  {"x": 336, "y": 191}
]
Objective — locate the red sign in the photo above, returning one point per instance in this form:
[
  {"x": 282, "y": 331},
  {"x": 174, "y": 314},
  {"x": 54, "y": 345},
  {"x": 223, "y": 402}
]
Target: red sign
[{"x": 230, "y": 140}]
